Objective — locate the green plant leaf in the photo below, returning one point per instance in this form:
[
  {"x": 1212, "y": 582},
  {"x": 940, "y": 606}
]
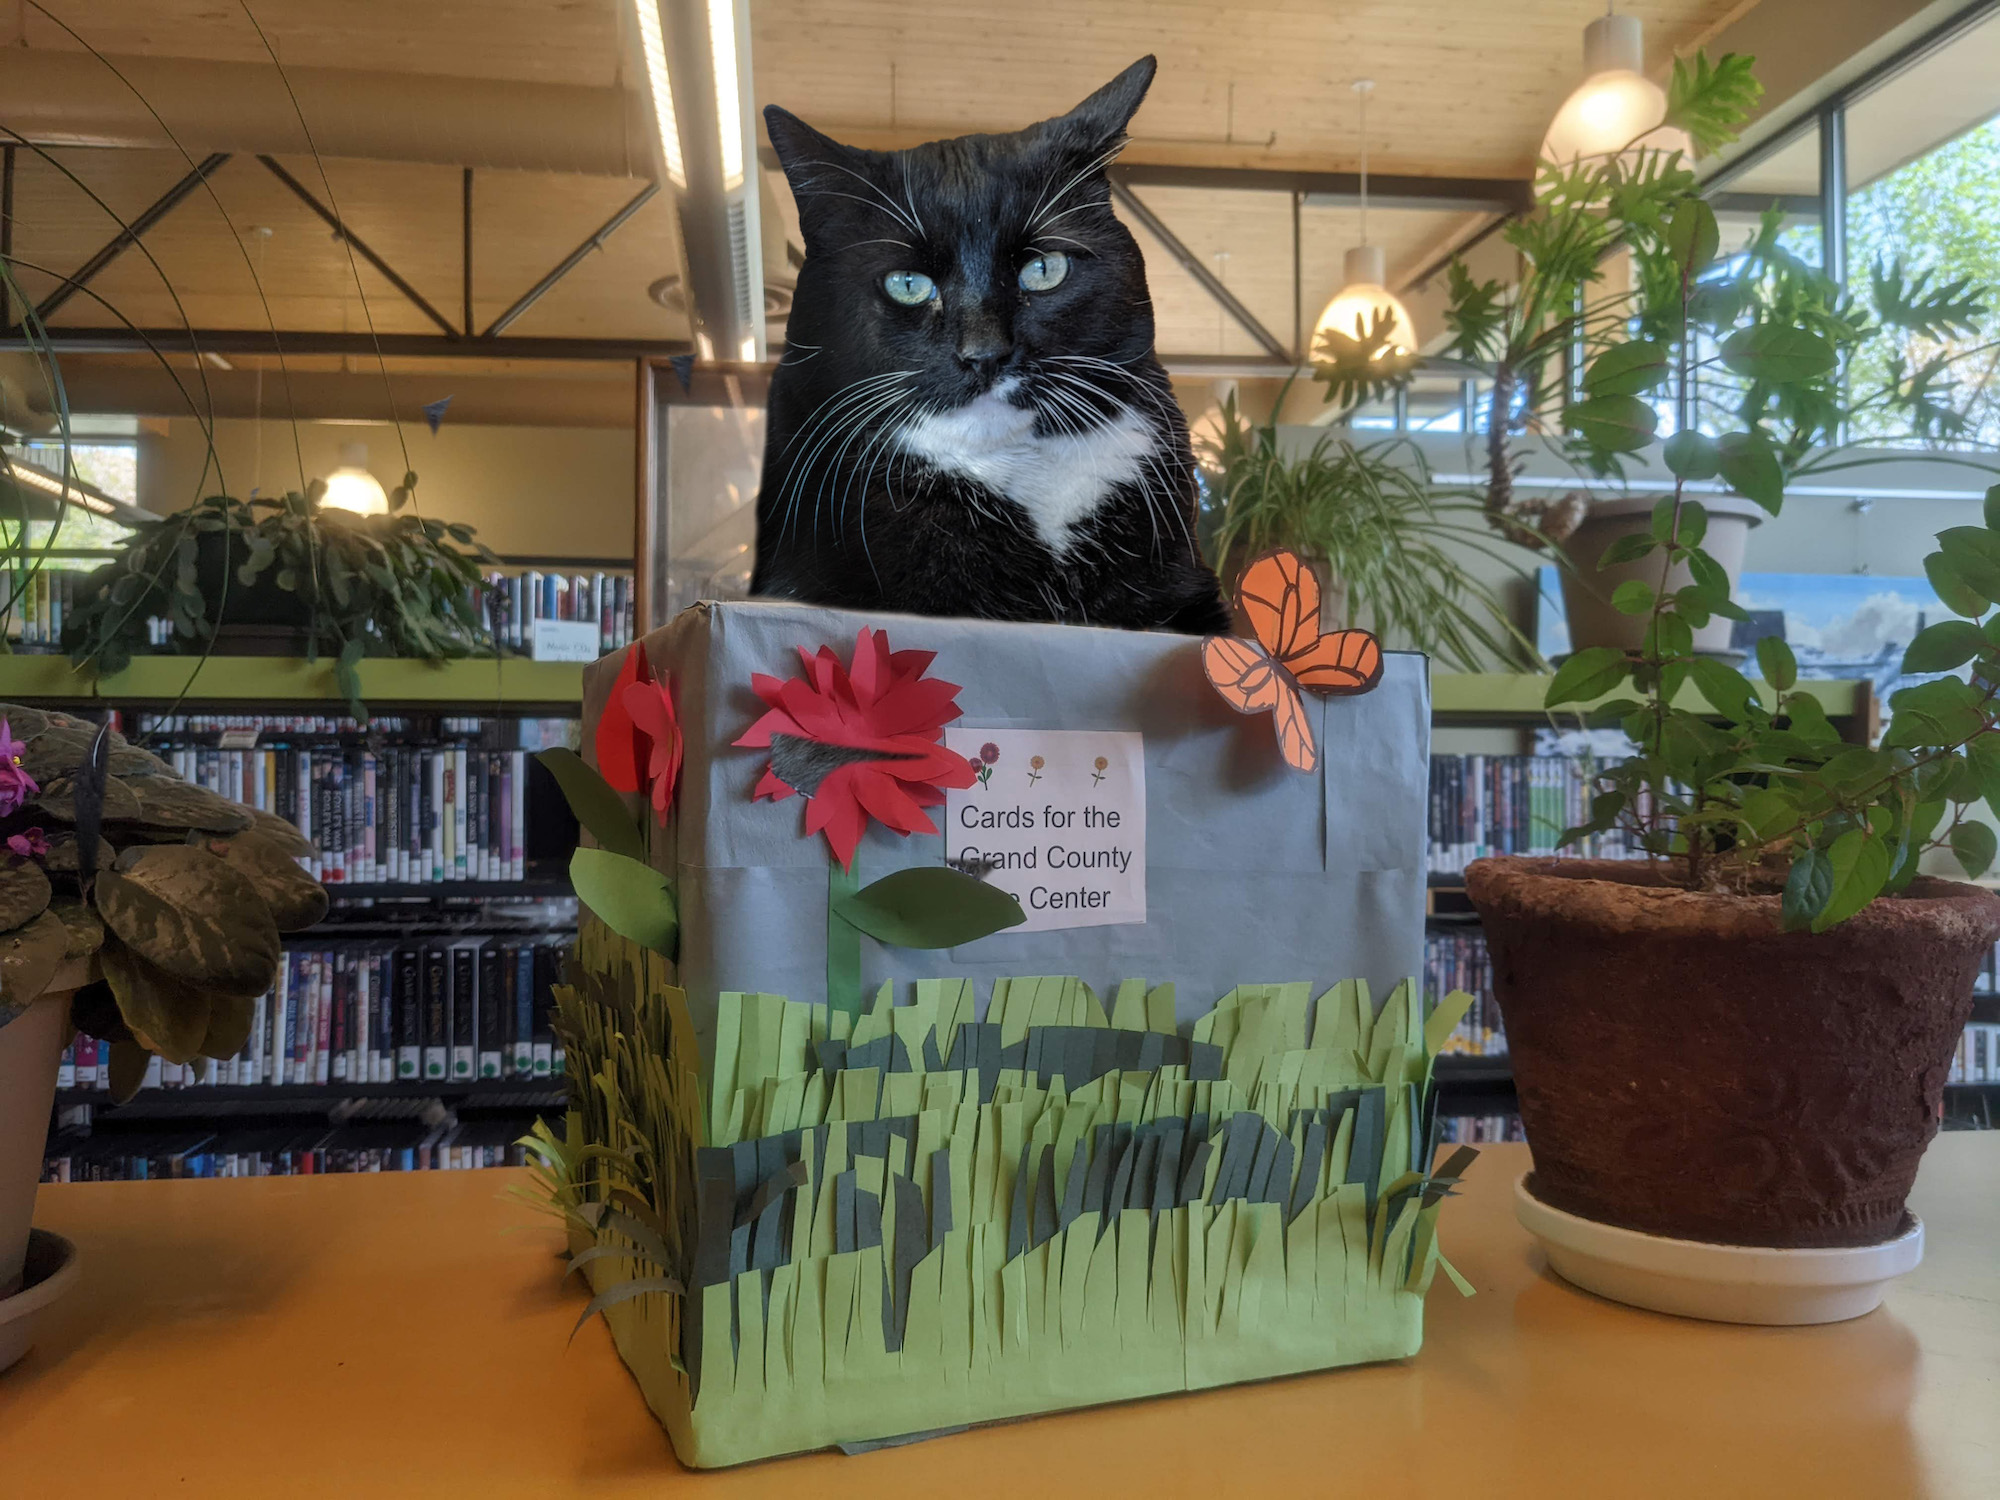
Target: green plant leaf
[
  {"x": 1992, "y": 510},
  {"x": 1589, "y": 673},
  {"x": 1860, "y": 864},
  {"x": 1958, "y": 595},
  {"x": 1973, "y": 845},
  {"x": 1692, "y": 237},
  {"x": 1692, "y": 455},
  {"x": 629, "y": 896},
  {"x": 1973, "y": 553},
  {"x": 1943, "y": 646},
  {"x": 597, "y": 806},
  {"x": 1778, "y": 354},
  {"x": 1748, "y": 464},
  {"x": 167, "y": 1015},
  {"x": 1727, "y": 690},
  {"x": 1628, "y": 369},
  {"x": 190, "y": 914},
  {"x": 1632, "y": 597},
  {"x": 929, "y": 906},
  {"x": 1776, "y": 661},
  {"x": 1983, "y": 756},
  {"x": 1808, "y": 888},
  {"x": 1613, "y": 424},
  {"x": 1627, "y": 549}
]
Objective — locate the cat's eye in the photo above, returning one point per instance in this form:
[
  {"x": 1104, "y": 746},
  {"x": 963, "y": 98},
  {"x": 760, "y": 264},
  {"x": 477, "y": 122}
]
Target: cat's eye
[
  {"x": 911, "y": 288},
  {"x": 1045, "y": 271}
]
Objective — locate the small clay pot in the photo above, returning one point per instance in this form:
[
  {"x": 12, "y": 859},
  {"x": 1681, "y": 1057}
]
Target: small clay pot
[{"x": 1687, "y": 1068}]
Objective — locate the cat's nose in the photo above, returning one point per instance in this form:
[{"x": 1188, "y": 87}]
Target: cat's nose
[{"x": 984, "y": 347}]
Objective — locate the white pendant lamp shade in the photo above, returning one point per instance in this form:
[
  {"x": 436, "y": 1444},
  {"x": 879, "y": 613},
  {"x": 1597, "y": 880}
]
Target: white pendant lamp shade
[
  {"x": 1364, "y": 309},
  {"x": 1362, "y": 300},
  {"x": 352, "y": 487},
  {"x": 1616, "y": 108}
]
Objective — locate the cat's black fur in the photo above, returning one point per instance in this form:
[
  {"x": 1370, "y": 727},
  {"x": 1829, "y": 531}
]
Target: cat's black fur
[{"x": 849, "y": 515}]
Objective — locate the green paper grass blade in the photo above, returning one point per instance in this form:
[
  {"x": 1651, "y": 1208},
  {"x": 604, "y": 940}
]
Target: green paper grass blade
[
  {"x": 929, "y": 906},
  {"x": 630, "y": 897},
  {"x": 597, "y": 807},
  {"x": 1444, "y": 1020}
]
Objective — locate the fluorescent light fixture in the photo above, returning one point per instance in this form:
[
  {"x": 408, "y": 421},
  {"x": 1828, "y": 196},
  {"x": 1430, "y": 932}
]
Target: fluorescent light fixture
[
  {"x": 352, "y": 487},
  {"x": 654, "y": 48},
  {"x": 728, "y": 103},
  {"x": 34, "y": 477},
  {"x": 747, "y": 350}
]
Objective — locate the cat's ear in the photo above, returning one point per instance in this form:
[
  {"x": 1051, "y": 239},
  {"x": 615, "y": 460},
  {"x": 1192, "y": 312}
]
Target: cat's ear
[
  {"x": 800, "y": 148},
  {"x": 1099, "y": 122}
]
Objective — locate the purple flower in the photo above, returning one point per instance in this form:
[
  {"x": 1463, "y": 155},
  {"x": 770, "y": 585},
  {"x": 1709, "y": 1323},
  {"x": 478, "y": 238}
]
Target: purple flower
[
  {"x": 28, "y": 844},
  {"x": 16, "y": 785},
  {"x": 989, "y": 752}
]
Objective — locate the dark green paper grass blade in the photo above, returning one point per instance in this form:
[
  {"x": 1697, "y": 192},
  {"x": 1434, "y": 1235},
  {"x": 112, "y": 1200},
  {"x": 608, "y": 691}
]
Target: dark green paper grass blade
[
  {"x": 625, "y": 1291},
  {"x": 929, "y": 906},
  {"x": 597, "y": 806},
  {"x": 628, "y": 896}
]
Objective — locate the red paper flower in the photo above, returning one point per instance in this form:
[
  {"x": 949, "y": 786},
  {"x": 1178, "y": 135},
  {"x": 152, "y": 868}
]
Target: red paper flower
[
  {"x": 650, "y": 707},
  {"x": 859, "y": 743},
  {"x": 621, "y": 748}
]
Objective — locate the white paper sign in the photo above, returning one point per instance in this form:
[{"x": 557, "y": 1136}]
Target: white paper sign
[
  {"x": 1062, "y": 815},
  {"x": 564, "y": 640}
]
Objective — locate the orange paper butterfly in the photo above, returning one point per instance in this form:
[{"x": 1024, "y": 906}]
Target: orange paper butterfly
[{"x": 1279, "y": 595}]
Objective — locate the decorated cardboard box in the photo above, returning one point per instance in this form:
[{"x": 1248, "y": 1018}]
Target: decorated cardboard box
[{"x": 973, "y": 1019}]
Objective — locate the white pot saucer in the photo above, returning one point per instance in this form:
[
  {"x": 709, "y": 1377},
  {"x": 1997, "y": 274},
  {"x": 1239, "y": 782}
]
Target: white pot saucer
[
  {"x": 1723, "y": 1283},
  {"x": 53, "y": 1268}
]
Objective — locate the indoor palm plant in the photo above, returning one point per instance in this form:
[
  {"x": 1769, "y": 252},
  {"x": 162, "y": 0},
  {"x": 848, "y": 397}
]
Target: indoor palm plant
[
  {"x": 134, "y": 906},
  {"x": 330, "y": 581},
  {"x": 1393, "y": 544},
  {"x": 1743, "y": 1039}
]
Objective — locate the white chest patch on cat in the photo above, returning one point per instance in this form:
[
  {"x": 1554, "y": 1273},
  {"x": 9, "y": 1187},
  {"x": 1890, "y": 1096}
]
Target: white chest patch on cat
[{"x": 1059, "y": 480}]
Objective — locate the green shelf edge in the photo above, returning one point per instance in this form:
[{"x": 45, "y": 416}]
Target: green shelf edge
[
  {"x": 287, "y": 679},
  {"x": 1495, "y": 697}
]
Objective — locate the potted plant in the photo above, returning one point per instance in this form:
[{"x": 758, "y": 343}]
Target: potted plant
[
  {"x": 290, "y": 575},
  {"x": 1731, "y": 1054},
  {"x": 1392, "y": 543},
  {"x": 1761, "y": 346},
  {"x": 134, "y": 906}
]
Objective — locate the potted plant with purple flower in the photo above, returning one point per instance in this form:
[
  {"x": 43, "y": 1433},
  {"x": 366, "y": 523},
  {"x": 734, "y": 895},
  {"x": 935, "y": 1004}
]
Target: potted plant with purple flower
[{"x": 134, "y": 906}]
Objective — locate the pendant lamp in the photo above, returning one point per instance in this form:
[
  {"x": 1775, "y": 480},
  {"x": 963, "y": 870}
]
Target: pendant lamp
[
  {"x": 1617, "y": 108},
  {"x": 1362, "y": 298},
  {"x": 352, "y": 487}
]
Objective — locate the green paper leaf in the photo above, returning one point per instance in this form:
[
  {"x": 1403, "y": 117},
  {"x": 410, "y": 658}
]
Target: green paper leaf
[
  {"x": 1589, "y": 673},
  {"x": 597, "y": 806},
  {"x": 1778, "y": 354},
  {"x": 1943, "y": 646},
  {"x": 629, "y": 896},
  {"x": 1615, "y": 424},
  {"x": 1807, "y": 890},
  {"x": 929, "y": 906},
  {"x": 1973, "y": 845},
  {"x": 1749, "y": 465},
  {"x": 1776, "y": 661},
  {"x": 1628, "y": 369}
]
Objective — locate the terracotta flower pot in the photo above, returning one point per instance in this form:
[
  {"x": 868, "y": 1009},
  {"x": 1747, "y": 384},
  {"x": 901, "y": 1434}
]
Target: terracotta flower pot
[
  {"x": 1587, "y": 588},
  {"x": 1688, "y": 1069}
]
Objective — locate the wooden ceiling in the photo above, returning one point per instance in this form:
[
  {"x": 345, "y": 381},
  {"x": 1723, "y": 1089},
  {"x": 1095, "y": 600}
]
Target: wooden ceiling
[{"x": 1464, "y": 87}]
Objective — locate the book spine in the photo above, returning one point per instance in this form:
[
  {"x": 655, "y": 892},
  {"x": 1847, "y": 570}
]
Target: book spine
[
  {"x": 517, "y": 846},
  {"x": 464, "y": 1011},
  {"x": 492, "y": 1012},
  {"x": 522, "y": 977},
  {"x": 407, "y": 1006},
  {"x": 437, "y": 1013},
  {"x": 460, "y": 862}
]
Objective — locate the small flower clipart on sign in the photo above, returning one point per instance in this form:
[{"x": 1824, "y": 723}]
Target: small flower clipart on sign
[
  {"x": 1035, "y": 764},
  {"x": 1097, "y": 771},
  {"x": 983, "y": 763}
]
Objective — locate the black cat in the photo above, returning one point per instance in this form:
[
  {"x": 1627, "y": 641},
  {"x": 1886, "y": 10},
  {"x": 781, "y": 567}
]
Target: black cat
[{"x": 969, "y": 419}]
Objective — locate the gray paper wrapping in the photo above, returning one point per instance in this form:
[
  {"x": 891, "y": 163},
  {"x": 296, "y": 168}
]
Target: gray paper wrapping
[{"x": 1255, "y": 873}]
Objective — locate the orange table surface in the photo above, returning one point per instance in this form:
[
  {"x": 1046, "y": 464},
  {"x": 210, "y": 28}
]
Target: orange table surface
[{"x": 404, "y": 1335}]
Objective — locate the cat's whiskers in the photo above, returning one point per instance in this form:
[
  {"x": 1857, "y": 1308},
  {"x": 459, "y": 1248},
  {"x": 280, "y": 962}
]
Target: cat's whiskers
[
  {"x": 879, "y": 444},
  {"x": 857, "y": 423},
  {"x": 887, "y": 204},
  {"x": 1044, "y": 204},
  {"x": 825, "y": 420},
  {"x": 1164, "y": 461}
]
